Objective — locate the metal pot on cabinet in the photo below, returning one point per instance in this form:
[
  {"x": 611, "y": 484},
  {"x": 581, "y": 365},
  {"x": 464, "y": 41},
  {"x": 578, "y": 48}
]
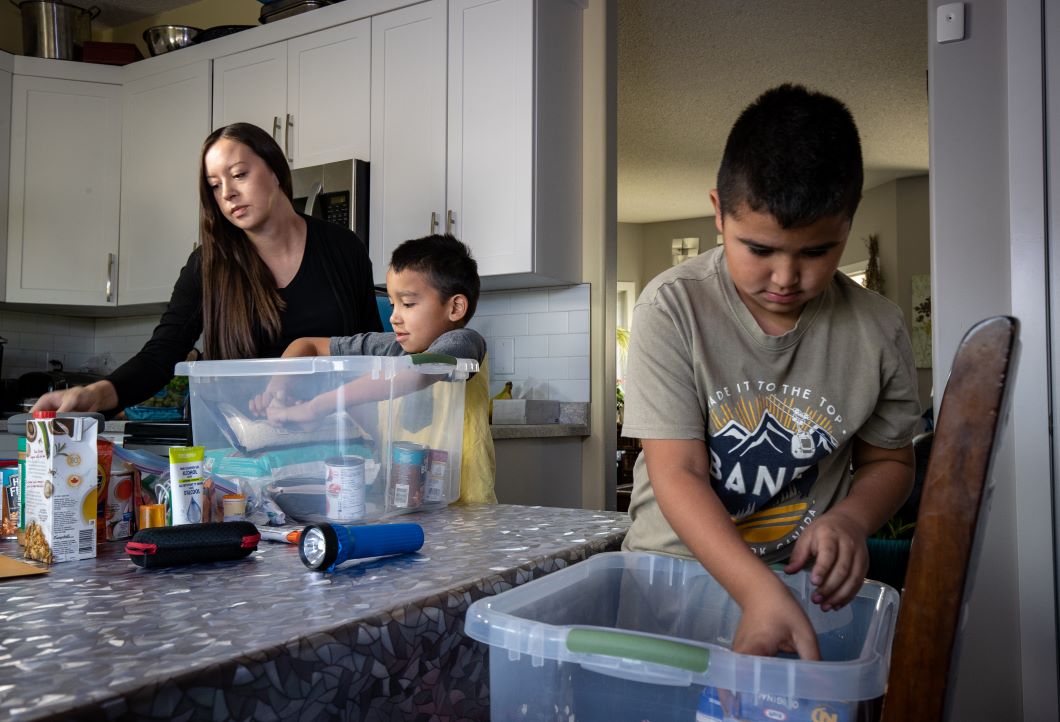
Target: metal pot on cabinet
[{"x": 55, "y": 29}]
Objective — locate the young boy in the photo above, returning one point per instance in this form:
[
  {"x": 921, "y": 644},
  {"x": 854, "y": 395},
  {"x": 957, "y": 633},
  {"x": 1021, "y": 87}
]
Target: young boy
[
  {"x": 433, "y": 285},
  {"x": 757, "y": 374}
]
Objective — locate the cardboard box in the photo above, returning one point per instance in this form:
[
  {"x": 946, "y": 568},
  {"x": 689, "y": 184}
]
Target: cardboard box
[
  {"x": 60, "y": 501},
  {"x": 525, "y": 411}
]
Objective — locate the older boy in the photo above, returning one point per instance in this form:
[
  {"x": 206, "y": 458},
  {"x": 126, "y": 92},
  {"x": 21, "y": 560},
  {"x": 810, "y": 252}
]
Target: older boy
[
  {"x": 757, "y": 373},
  {"x": 433, "y": 285}
]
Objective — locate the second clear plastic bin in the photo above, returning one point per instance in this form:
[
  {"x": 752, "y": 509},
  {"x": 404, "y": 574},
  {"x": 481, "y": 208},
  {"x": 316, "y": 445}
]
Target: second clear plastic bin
[{"x": 340, "y": 438}]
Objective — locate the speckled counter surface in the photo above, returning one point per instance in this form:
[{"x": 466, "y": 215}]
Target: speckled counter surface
[{"x": 266, "y": 639}]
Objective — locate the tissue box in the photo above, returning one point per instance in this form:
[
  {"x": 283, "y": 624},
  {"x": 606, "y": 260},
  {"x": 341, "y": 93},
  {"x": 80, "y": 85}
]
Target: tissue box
[
  {"x": 525, "y": 411},
  {"x": 631, "y": 636},
  {"x": 388, "y": 442}
]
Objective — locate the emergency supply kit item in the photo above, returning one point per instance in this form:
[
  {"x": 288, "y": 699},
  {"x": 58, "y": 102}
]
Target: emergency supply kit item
[
  {"x": 387, "y": 440},
  {"x": 60, "y": 489},
  {"x": 191, "y": 543},
  {"x": 323, "y": 547}
]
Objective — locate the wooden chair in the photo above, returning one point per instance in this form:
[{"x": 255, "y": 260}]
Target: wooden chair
[{"x": 943, "y": 556}]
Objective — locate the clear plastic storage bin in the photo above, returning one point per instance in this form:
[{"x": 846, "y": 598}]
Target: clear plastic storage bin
[
  {"x": 645, "y": 637},
  {"x": 381, "y": 436}
]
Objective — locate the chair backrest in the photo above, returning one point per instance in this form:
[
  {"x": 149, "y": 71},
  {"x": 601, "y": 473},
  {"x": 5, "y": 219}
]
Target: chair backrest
[{"x": 943, "y": 553}]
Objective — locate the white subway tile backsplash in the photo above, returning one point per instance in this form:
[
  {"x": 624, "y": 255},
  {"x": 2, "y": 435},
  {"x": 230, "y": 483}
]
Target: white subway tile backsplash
[
  {"x": 535, "y": 301},
  {"x": 38, "y": 341},
  {"x": 569, "y": 298},
  {"x": 492, "y": 304},
  {"x": 578, "y": 322},
  {"x": 569, "y": 390},
  {"x": 531, "y": 346},
  {"x": 578, "y": 367},
  {"x": 550, "y": 328},
  {"x": 568, "y": 344},
  {"x": 547, "y": 323}
]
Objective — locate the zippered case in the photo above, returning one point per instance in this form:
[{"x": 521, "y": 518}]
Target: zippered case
[{"x": 167, "y": 546}]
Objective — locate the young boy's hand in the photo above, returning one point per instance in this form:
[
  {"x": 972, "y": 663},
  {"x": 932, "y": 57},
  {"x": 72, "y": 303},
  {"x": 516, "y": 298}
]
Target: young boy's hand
[
  {"x": 274, "y": 394},
  {"x": 775, "y": 623},
  {"x": 836, "y": 544},
  {"x": 298, "y": 413}
]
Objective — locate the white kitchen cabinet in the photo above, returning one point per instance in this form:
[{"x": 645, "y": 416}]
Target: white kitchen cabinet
[
  {"x": 512, "y": 184},
  {"x": 165, "y": 119},
  {"x": 408, "y": 128},
  {"x": 311, "y": 92},
  {"x": 64, "y": 191},
  {"x": 514, "y": 180}
]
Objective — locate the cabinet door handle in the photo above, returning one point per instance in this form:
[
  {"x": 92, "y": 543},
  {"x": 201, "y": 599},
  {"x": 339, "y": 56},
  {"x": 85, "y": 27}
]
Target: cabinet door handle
[
  {"x": 276, "y": 128},
  {"x": 287, "y": 138},
  {"x": 111, "y": 260},
  {"x": 434, "y": 223},
  {"x": 450, "y": 221}
]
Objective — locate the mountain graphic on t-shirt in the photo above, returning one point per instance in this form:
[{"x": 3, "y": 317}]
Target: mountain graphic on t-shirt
[{"x": 769, "y": 438}]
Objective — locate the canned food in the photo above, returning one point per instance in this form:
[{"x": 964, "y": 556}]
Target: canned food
[
  {"x": 437, "y": 476},
  {"x": 408, "y": 469},
  {"x": 344, "y": 488}
]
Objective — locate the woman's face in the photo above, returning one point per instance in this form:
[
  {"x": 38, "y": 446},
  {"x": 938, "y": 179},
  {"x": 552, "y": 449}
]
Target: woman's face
[{"x": 244, "y": 187}]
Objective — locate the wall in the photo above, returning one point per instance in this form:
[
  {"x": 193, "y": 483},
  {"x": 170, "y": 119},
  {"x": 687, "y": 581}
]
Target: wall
[
  {"x": 202, "y": 14},
  {"x": 630, "y": 246},
  {"x": 550, "y": 331},
  {"x": 33, "y": 339},
  {"x": 10, "y": 29},
  {"x": 985, "y": 102}
]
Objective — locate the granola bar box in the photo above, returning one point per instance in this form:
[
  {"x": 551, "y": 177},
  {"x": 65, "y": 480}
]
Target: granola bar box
[{"x": 60, "y": 501}]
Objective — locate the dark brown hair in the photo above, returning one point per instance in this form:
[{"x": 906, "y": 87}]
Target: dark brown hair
[
  {"x": 448, "y": 265},
  {"x": 239, "y": 293}
]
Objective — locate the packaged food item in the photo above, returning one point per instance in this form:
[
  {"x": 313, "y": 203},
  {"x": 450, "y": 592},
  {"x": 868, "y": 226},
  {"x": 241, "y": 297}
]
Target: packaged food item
[
  {"x": 60, "y": 491},
  {"x": 235, "y": 507},
  {"x": 187, "y": 487},
  {"x": 344, "y": 488},
  {"x": 10, "y": 504},
  {"x": 21, "y": 491},
  {"x": 408, "y": 471},
  {"x": 114, "y": 519}
]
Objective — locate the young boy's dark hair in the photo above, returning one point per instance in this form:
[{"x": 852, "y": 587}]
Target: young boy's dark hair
[
  {"x": 794, "y": 154},
  {"x": 446, "y": 262}
]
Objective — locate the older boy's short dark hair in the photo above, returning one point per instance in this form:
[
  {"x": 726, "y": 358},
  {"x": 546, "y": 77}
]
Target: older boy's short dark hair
[
  {"x": 446, "y": 262},
  {"x": 793, "y": 153}
]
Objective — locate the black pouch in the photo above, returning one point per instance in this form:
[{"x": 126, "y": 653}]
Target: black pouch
[{"x": 167, "y": 546}]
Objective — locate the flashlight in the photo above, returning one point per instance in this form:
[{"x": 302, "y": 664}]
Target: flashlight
[{"x": 324, "y": 546}]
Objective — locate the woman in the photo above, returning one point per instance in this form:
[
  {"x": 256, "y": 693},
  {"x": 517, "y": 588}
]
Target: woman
[{"x": 263, "y": 276}]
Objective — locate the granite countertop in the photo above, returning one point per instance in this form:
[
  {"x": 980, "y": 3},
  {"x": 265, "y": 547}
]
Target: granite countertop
[{"x": 265, "y": 638}]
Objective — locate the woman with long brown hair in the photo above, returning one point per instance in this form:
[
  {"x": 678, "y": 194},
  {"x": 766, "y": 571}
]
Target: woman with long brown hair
[{"x": 263, "y": 276}]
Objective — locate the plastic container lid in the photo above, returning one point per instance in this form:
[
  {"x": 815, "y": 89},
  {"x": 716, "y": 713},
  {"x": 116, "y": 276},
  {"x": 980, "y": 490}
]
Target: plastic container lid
[{"x": 44, "y": 414}]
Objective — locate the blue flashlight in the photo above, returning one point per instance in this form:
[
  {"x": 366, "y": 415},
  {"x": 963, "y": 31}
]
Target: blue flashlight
[{"x": 324, "y": 546}]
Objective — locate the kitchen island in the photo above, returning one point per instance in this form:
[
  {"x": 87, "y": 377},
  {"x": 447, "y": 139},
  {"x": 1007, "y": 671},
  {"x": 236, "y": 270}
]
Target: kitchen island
[{"x": 265, "y": 638}]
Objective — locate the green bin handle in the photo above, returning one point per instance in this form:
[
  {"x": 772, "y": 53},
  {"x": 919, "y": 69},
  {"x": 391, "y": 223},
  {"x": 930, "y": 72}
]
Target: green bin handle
[
  {"x": 432, "y": 358},
  {"x": 636, "y": 646}
]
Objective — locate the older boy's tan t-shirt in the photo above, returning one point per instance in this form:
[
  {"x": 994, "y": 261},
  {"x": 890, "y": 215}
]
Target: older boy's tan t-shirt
[{"x": 778, "y": 412}]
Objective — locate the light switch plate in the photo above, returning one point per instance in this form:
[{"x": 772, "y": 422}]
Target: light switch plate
[
  {"x": 949, "y": 26},
  {"x": 502, "y": 355}
]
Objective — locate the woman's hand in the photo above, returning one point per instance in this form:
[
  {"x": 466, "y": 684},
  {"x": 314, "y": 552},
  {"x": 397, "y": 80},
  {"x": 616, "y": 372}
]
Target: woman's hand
[
  {"x": 836, "y": 544},
  {"x": 100, "y": 396}
]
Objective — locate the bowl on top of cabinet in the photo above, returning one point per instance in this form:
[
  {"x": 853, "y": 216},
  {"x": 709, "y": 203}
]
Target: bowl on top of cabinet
[
  {"x": 164, "y": 38},
  {"x": 286, "y": 8}
]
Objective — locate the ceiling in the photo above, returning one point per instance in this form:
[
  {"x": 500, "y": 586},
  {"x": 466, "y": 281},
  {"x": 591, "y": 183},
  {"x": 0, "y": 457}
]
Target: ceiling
[{"x": 686, "y": 68}]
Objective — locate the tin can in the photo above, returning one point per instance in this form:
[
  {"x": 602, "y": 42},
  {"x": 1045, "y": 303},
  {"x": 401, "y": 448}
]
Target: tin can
[
  {"x": 408, "y": 470},
  {"x": 344, "y": 488},
  {"x": 437, "y": 476}
]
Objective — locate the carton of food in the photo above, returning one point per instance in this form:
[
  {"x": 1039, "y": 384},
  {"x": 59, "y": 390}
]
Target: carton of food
[
  {"x": 60, "y": 500},
  {"x": 114, "y": 516}
]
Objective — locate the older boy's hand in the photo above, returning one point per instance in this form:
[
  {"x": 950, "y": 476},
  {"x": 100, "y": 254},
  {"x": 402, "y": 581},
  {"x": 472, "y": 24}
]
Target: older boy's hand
[
  {"x": 775, "y": 623},
  {"x": 836, "y": 544}
]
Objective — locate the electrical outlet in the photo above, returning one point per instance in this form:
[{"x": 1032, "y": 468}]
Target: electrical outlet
[
  {"x": 949, "y": 23},
  {"x": 502, "y": 355}
]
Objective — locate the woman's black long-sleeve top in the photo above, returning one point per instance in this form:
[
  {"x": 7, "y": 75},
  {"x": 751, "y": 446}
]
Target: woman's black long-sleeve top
[{"x": 332, "y": 294}]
